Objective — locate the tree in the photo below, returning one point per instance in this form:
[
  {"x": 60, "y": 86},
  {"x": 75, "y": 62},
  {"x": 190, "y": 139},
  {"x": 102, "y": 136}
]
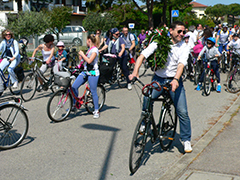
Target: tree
[
  {"x": 94, "y": 21},
  {"x": 234, "y": 9},
  {"x": 25, "y": 24},
  {"x": 59, "y": 17},
  {"x": 217, "y": 11}
]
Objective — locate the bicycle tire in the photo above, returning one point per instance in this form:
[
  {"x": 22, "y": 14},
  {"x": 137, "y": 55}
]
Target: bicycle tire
[
  {"x": 137, "y": 147},
  {"x": 28, "y": 87},
  {"x": 233, "y": 81},
  {"x": 121, "y": 79},
  {"x": 13, "y": 126},
  {"x": 207, "y": 86},
  {"x": 223, "y": 63},
  {"x": 197, "y": 72},
  {"x": 143, "y": 68},
  {"x": 59, "y": 105},
  {"x": 89, "y": 100},
  {"x": 167, "y": 127},
  {"x": 16, "y": 91}
]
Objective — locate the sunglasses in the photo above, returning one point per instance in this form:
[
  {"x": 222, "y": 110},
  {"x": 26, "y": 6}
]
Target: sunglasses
[
  {"x": 179, "y": 31},
  {"x": 117, "y": 34},
  {"x": 7, "y": 34},
  {"x": 209, "y": 42}
]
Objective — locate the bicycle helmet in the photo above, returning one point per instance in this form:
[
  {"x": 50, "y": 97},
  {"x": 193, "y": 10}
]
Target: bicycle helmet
[
  {"x": 235, "y": 35},
  {"x": 225, "y": 25},
  {"x": 212, "y": 39},
  {"x": 48, "y": 38},
  {"x": 60, "y": 43}
]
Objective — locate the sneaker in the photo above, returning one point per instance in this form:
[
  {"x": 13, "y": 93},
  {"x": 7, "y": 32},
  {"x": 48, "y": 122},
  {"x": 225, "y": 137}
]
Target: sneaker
[
  {"x": 95, "y": 114},
  {"x": 15, "y": 85},
  {"x": 199, "y": 86},
  {"x": 218, "y": 88},
  {"x": 129, "y": 86},
  {"x": 187, "y": 147}
]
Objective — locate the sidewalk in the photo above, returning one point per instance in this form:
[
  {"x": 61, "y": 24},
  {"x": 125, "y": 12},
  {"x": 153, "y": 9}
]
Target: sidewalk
[{"x": 216, "y": 155}]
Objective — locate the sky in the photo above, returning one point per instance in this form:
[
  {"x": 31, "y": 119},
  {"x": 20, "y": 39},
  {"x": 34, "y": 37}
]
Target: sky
[{"x": 213, "y": 2}]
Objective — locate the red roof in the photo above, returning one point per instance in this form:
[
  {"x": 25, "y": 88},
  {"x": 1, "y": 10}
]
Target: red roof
[{"x": 197, "y": 5}]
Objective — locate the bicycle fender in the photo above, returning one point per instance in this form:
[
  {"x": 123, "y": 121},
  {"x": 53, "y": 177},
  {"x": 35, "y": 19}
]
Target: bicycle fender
[{"x": 18, "y": 104}]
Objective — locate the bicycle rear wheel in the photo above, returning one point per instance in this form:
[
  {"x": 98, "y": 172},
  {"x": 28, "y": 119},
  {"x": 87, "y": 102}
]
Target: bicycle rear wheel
[
  {"x": 137, "y": 146},
  {"x": 28, "y": 87},
  {"x": 207, "y": 83},
  {"x": 233, "y": 81},
  {"x": 59, "y": 105},
  {"x": 168, "y": 125},
  {"x": 89, "y": 100},
  {"x": 13, "y": 126}
]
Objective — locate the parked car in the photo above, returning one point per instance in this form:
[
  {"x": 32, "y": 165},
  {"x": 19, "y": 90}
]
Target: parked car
[{"x": 69, "y": 35}]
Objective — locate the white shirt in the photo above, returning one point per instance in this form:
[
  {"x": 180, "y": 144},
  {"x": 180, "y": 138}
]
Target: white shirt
[
  {"x": 235, "y": 45},
  {"x": 192, "y": 39},
  {"x": 179, "y": 54},
  {"x": 95, "y": 61}
]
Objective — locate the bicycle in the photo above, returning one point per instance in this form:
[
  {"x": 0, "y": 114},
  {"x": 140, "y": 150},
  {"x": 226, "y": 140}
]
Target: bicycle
[
  {"x": 61, "y": 102},
  {"x": 30, "y": 82},
  {"x": 164, "y": 130},
  {"x": 13, "y": 122},
  {"x": 198, "y": 68},
  {"x": 224, "y": 63},
  {"x": 7, "y": 81},
  {"x": 72, "y": 56},
  {"x": 233, "y": 79},
  {"x": 210, "y": 79}
]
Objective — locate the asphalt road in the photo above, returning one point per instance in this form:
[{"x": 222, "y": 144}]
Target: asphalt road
[{"x": 85, "y": 148}]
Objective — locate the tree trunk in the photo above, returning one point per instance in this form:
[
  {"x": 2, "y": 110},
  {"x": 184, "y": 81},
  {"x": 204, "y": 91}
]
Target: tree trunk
[
  {"x": 19, "y": 4},
  {"x": 170, "y": 13},
  {"x": 165, "y": 11}
]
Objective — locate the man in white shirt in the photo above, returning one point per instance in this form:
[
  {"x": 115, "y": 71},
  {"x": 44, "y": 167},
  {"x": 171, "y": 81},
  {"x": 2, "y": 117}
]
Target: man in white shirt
[{"x": 176, "y": 61}]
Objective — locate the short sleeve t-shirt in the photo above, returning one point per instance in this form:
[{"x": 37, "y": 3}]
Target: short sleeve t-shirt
[
  {"x": 94, "y": 62},
  {"x": 235, "y": 45},
  {"x": 223, "y": 36},
  {"x": 113, "y": 48},
  {"x": 128, "y": 40}
]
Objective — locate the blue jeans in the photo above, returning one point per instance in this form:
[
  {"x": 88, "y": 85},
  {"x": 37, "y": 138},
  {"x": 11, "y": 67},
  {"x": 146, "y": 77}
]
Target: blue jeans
[
  {"x": 93, "y": 82},
  {"x": 215, "y": 66},
  {"x": 180, "y": 103},
  {"x": 10, "y": 69},
  {"x": 221, "y": 46}
]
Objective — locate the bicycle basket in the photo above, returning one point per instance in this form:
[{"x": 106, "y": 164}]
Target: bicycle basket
[{"x": 62, "y": 81}]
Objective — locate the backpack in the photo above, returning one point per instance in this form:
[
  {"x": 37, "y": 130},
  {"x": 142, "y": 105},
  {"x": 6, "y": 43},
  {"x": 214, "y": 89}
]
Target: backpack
[{"x": 136, "y": 39}]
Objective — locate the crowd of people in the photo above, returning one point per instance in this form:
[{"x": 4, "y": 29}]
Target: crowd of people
[{"x": 204, "y": 42}]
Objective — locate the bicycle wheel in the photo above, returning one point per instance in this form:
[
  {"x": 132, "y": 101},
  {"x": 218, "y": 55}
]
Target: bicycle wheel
[
  {"x": 15, "y": 91},
  {"x": 89, "y": 100},
  {"x": 59, "y": 105},
  {"x": 184, "y": 74},
  {"x": 223, "y": 63},
  {"x": 168, "y": 125},
  {"x": 233, "y": 81},
  {"x": 137, "y": 146},
  {"x": 197, "y": 72},
  {"x": 28, "y": 87},
  {"x": 207, "y": 86},
  {"x": 13, "y": 126},
  {"x": 143, "y": 68},
  {"x": 121, "y": 79}
]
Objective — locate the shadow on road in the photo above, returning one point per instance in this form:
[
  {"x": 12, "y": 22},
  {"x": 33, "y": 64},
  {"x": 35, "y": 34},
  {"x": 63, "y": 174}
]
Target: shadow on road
[{"x": 108, "y": 155}]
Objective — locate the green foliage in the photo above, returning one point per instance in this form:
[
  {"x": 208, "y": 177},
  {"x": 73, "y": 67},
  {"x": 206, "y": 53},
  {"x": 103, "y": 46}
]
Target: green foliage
[
  {"x": 94, "y": 21},
  {"x": 217, "y": 10},
  {"x": 28, "y": 23},
  {"x": 159, "y": 58},
  {"x": 59, "y": 17},
  {"x": 234, "y": 9}
]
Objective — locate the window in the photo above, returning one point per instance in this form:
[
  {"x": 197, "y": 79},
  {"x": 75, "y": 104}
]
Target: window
[
  {"x": 67, "y": 30},
  {"x": 77, "y": 29}
]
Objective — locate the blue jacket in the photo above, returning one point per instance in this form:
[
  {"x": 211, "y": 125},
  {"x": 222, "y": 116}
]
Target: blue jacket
[{"x": 14, "y": 49}]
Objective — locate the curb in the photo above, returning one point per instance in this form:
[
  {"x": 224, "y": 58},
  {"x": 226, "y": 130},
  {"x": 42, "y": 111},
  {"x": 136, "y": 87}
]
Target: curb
[{"x": 181, "y": 165}]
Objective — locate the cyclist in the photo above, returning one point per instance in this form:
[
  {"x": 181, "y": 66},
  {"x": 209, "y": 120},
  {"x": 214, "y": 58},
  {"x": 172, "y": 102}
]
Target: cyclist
[
  {"x": 9, "y": 48},
  {"x": 213, "y": 55},
  {"x": 61, "y": 56},
  {"x": 223, "y": 35},
  {"x": 176, "y": 61},
  {"x": 116, "y": 46},
  {"x": 48, "y": 55},
  {"x": 235, "y": 44},
  {"x": 129, "y": 40},
  {"x": 90, "y": 72}
]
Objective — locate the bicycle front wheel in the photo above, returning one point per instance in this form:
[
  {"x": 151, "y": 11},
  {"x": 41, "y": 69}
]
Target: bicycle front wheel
[
  {"x": 59, "y": 105},
  {"x": 138, "y": 145},
  {"x": 13, "y": 126},
  {"x": 233, "y": 81},
  {"x": 28, "y": 87},
  {"x": 167, "y": 128},
  {"x": 89, "y": 100},
  {"x": 207, "y": 83}
]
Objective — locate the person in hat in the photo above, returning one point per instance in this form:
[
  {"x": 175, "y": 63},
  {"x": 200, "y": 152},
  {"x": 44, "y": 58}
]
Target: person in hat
[
  {"x": 116, "y": 46},
  {"x": 61, "y": 55}
]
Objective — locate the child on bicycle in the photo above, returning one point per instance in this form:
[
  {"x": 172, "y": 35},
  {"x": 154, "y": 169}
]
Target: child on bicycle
[
  {"x": 61, "y": 56},
  {"x": 213, "y": 55},
  {"x": 90, "y": 72},
  {"x": 235, "y": 44}
]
